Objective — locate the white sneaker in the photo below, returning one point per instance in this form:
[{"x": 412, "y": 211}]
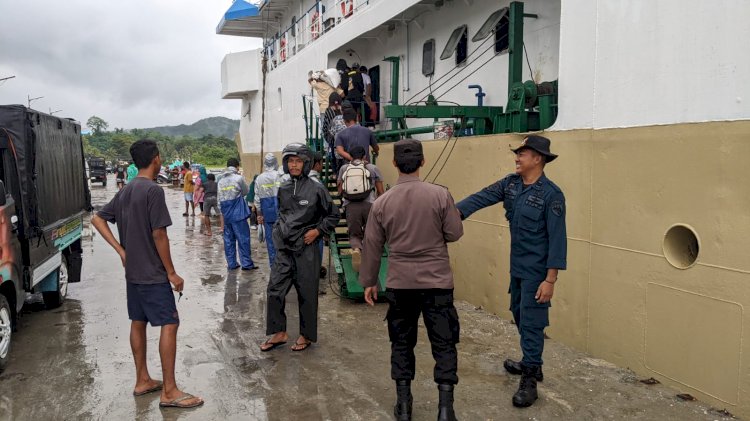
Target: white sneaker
[{"x": 356, "y": 259}]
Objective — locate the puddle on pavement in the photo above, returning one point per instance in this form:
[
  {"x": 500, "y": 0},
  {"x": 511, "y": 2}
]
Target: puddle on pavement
[{"x": 212, "y": 279}]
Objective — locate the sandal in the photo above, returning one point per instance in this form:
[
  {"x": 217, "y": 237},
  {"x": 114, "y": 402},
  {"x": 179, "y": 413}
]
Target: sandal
[
  {"x": 177, "y": 403},
  {"x": 274, "y": 345},
  {"x": 156, "y": 388},
  {"x": 299, "y": 347}
]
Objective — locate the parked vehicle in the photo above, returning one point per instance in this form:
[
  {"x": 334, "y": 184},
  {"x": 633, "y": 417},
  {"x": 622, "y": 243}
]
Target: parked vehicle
[
  {"x": 164, "y": 177},
  {"x": 43, "y": 198},
  {"x": 98, "y": 171}
]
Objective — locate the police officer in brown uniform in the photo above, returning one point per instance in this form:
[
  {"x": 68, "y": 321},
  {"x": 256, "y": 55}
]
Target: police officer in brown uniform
[{"x": 417, "y": 220}]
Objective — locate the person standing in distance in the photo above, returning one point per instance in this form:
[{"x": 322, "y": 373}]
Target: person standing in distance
[
  {"x": 188, "y": 188},
  {"x": 266, "y": 201},
  {"x": 535, "y": 209},
  {"x": 232, "y": 190},
  {"x": 417, "y": 220},
  {"x": 142, "y": 218}
]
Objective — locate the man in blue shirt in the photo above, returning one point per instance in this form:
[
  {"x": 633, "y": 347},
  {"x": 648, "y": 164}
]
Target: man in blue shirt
[
  {"x": 535, "y": 209},
  {"x": 355, "y": 135}
]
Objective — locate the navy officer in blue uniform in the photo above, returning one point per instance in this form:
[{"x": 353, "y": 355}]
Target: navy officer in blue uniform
[{"x": 535, "y": 209}]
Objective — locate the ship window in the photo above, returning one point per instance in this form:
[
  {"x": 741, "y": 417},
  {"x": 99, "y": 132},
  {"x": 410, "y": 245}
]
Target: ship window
[
  {"x": 502, "y": 32},
  {"x": 454, "y": 41},
  {"x": 490, "y": 24},
  {"x": 428, "y": 58},
  {"x": 462, "y": 49},
  {"x": 281, "y": 103}
]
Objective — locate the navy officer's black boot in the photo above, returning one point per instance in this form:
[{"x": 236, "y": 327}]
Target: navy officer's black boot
[
  {"x": 514, "y": 367},
  {"x": 445, "y": 403},
  {"x": 526, "y": 394},
  {"x": 404, "y": 400}
]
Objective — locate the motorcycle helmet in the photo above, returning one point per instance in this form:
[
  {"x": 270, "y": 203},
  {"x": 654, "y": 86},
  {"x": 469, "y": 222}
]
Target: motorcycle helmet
[{"x": 300, "y": 150}]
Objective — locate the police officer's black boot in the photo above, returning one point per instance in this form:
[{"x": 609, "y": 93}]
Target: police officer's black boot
[
  {"x": 445, "y": 403},
  {"x": 402, "y": 410},
  {"x": 526, "y": 394},
  {"x": 514, "y": 367}
]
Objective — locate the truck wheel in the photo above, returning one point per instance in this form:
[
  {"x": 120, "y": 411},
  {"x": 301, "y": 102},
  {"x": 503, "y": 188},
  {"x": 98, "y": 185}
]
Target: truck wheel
[
  {"x": 6, "y": 330},
  {"x": 53, "y": 299},
  {"x": 104, "y": 183}
]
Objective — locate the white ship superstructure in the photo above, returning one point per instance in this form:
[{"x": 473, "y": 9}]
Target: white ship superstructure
[{"x": 375, "y": 29}]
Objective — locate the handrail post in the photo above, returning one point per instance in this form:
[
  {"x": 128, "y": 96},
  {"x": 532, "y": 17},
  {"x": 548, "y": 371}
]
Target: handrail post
[{"x": 395, "y": 62}]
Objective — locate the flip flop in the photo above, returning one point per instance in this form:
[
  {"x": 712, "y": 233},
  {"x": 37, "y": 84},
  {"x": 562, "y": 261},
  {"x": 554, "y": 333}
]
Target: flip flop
[
  {"x": 274, "y": 345},
  {"x": 156, "y": 388},
  {"x": 304, "y": 346},
  {"x": 177, "y": 403}
]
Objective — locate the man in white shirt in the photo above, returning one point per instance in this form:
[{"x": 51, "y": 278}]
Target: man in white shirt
[{"x": 357, "y": 211}]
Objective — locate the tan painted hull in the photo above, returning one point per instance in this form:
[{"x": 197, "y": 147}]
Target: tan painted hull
[{"x": 620, "y": 299}]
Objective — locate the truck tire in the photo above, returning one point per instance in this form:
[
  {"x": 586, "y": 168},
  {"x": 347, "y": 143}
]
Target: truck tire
[
  {"x": 104, "y": 183},
  {"x": 6, "y": 331},
  {"x": 53, "y": 299}
]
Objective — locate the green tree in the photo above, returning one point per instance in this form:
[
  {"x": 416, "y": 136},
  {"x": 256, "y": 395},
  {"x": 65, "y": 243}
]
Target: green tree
[{"x": 97, "y": 124}]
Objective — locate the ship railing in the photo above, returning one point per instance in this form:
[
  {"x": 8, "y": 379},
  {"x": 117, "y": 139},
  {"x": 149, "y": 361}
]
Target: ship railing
[
  {"x": 319, "y": 19},
  {"x": 314, "y": 123}
]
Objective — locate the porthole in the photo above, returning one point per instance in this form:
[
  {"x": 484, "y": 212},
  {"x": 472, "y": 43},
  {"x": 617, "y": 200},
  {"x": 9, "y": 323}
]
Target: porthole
[{"x": 681, "y": 246}]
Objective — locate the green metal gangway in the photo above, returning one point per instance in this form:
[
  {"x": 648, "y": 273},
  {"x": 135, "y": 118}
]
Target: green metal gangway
[{"x": 345, "y": 282}]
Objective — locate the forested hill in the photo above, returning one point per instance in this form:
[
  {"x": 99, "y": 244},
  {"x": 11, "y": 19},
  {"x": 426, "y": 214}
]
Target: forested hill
[
  {"x": 213, "y": 148},
  {"x": 216, "y": 126}
]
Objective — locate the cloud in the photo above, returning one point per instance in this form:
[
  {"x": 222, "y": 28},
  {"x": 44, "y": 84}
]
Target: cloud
[{"x": 134, "y": 63}]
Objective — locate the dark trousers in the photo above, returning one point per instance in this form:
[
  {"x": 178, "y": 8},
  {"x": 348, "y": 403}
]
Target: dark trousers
[
  {"x": 300, "y": 269},
  {"x": 441, "y": 320},
  {"x": 531, "y": 319},
  {"x": 356, "y": 219}
]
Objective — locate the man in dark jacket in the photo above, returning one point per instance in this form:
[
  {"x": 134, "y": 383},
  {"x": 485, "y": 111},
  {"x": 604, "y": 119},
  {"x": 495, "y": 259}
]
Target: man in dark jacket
[{"x": 306, "y": 213}]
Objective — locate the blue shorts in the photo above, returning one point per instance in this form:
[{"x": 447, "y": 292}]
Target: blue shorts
[
  {"x": 188, "y": 197},
  {"x": 152, "y": 303}
]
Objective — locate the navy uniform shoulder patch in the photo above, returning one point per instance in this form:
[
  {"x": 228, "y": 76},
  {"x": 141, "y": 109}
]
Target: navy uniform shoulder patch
[{"x": 558, "y": 207}]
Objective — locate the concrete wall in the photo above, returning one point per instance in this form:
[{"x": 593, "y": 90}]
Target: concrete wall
[{"x": 620, "y": 299}]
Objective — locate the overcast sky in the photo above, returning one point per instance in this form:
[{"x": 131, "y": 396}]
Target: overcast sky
[{"x": 134, "y": 63}]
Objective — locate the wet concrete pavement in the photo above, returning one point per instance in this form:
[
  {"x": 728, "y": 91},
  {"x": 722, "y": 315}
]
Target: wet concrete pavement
[{"x": 74, "y": 362}]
